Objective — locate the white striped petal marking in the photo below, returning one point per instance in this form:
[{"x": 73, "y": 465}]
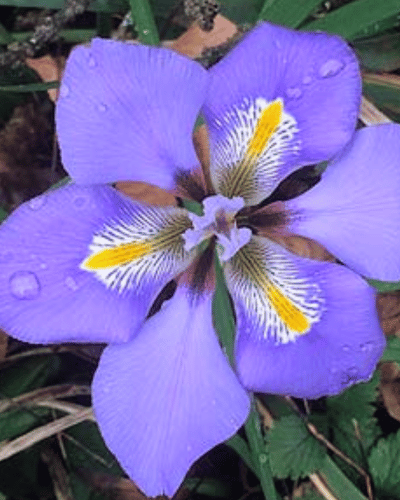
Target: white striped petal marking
[
  {"x": 144, "y": 246},
  {"x": 279, "y": 301},
  {"x": 245, "y": 162}
]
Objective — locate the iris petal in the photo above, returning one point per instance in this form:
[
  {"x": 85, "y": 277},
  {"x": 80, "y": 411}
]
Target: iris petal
[
  {"x": 355, "y": 209},
  {"x": 341, "y": 346},
  {"x": 48, "y": 291},
  {"x": 168, "y": 396},
  {"x": 126, "y": 112},
  {"x": 298, "y": 107}
]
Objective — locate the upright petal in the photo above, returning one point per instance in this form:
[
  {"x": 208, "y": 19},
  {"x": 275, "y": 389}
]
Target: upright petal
[
  {"x": 168, "y": 396},
  {"x": 84, "y": 264},
  {"x": 304, "y": 328},
  {"x": 280, "y": 100},
  {"x": 127, "y": 112},
  {"x": 354, "y": 211}
]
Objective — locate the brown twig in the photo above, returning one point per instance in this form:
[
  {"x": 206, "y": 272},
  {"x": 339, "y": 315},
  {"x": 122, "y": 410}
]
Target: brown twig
[{"x": 45, "y": 32}]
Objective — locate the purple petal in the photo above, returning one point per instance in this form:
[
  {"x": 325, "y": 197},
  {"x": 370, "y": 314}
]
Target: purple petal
[
  {"x": 340, "y": 348},
  {"x": 168, "y": 396},
  {"x": 47, "y": 296},
  {"x": 316, "y": 78},
  {"x": 355, "y": 210},
  {"x": 126, "y": 112}
]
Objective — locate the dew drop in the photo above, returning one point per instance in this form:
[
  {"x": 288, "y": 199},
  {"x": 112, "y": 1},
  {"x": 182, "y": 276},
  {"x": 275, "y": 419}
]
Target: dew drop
[
  {"x": 64, "y": 90},
  {"x": 92, "y": 62},
  {"x": 214, "y": 402},
  {"x": 145, "y": 32},
  {"x": 307, "y": 79},
  {"x": 293, "y": 92},
  {"x": 368, "y": 346},
  {"x": 24, "y": 285},
  {"x": 102, "y": 108},
  {"x": 6, "y": 257},
  {"x": 79, "y": 202},
  {"x": 71, "y": 283},
  {"x": 43, "y": 265},
  {"x": 188, "y": 447},
  {"x": 36, "y": 203},
  {"x": 262, "y": 458},
  {"x": 331, "y": 68},
  {"x": 346, "y": 348}
]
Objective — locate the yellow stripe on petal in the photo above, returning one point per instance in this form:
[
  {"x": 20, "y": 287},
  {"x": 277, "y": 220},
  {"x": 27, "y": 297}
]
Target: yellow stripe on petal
[
  {"x": 267, "y": 124},
  {"x": 117, "y": 256},
  {"x": 290, "y": 314}
]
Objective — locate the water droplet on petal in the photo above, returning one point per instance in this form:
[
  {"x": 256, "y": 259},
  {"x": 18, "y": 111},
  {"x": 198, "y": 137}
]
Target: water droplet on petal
[
  {"x": 349, "y": 376},
  {"x": 346, "y": 348},
  {"x": 277, "y": 44},
  {"x": 307, "y": 79},
  {"x": 36, "y": 203},
  {"x": 331, "y": 68},
  {"x": 188, "y": 447},
  {"x": 71, "y": 283},
  {"x": 43, "y": 265},
  {"x": 24, "y": 285},
  {"x": 102, "y": 108},
  {"x": 293, "y": 92},
  {"x": 214, "y": 402},
  {"x": 368, "y": 346},
  {"x": 92, "y": 62},
  {"x": 6, "y": 256},
  {"x": 64, "y": 90},
  {"x": 80, "y": 201}
]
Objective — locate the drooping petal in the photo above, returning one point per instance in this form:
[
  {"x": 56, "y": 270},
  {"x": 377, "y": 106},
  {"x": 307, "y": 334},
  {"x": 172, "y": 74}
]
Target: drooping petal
[
  {"x": 304, "y": 328},
  {"x": 280, "y": 100},
  {"x": 355, "y": 209},
  {"x": 168, "y": 396},
  {"x": 84, "y": 264},
  {"x": 126, "y": 112}
]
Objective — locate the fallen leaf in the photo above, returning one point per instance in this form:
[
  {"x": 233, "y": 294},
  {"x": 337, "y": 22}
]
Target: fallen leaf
[{"x": 49, "y": 69}]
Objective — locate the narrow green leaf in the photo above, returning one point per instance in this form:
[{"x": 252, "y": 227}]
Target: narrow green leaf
[
  {"x": 30, "y": 87},
  {"x": 241, "y": 12},
  {"x": 294, "y": 452},
  {"x": 380, "y": 53},
  {"x": 144, "y": 22},
  {"x": 260, "y": 455},
  {"x": 337, "y": 482},
  {"x": 15, "y": 422},
  {"x": 69, "y": 35},
  {"x": 350, "y": 19},
  {"x": 224, "y": 321},
  {"x": 97, "y": 5},
  {"x": 384, "y": 91},
  {"x": 242, "y": 449},
  {"x": 287, "y": 12},
  {"x": 385, "y": 286}
]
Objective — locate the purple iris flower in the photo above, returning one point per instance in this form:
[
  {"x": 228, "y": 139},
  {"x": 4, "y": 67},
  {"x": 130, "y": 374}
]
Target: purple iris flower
[{"x": 84, "y": 263}]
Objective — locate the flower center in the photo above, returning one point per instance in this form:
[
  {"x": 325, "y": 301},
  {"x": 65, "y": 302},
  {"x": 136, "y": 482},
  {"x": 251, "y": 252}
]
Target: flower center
[{"x": 218, "y": 220}]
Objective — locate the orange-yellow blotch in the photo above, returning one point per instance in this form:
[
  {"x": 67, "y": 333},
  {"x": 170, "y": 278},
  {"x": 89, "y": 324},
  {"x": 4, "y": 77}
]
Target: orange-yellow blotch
[
  {"x": 266, "y": 126},
  {"x": 116, "y": 256},
  {"x": 287, "y": 311}
]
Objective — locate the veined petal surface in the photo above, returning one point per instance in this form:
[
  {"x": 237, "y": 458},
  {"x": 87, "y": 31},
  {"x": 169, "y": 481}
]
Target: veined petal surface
[
  {"x": 279, "y": 100},
  {"x": 84, "y": 264},
  {"x": 335, "y": 339},
  {"x": 168, "y": 396},
  {"x": 354, "y": 211},
  {"x": 127, "y": 112}
]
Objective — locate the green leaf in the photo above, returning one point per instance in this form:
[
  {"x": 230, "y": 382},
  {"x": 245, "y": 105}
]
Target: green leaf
[
  {"x": 30, "y": 87},
  {"x": 238, "y": 444},
  {"x": 380, "y": 53},
  {"x": 354, "y": 17},
  {"x": 294, "y": 452},
  {"x": 384, "y": 463},
  {"x": 18, "y": 421},
  {"x": 27, "y": 374},
  {"x": 144, "y": 23},
  {"x": 392, "y": 351},
  {"x": 210, "y": 487},
  {"x": 97, "y": 5},
  {"x": 337, "y": 482},
  {"x": 236, "y": 11},
  {"x": 287, "y": 12},
  {"x": 385, "y": 286},
  {"x": 384, "y": 91}
]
